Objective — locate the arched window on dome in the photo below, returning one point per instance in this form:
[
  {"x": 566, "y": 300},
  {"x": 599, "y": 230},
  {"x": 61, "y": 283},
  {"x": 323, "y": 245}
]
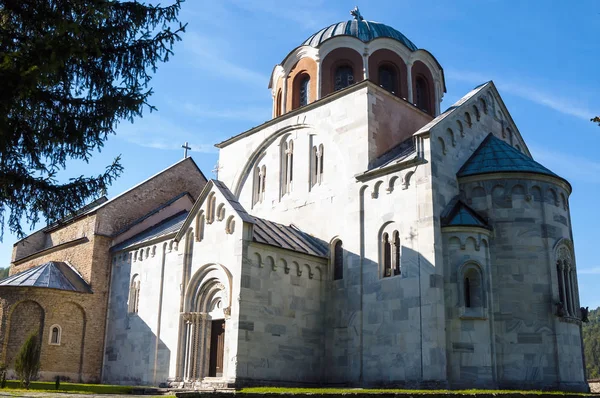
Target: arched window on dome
[
  {"x": 278, "y": 103},
  {"x": 388, "y": 78},
  {"x": 304, "y": 90},
  {"x": 344, "y": 77},
  {"x": 422, "y": 94}
]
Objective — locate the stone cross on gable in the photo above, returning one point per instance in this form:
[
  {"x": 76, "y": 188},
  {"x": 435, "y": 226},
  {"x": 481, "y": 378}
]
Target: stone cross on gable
[
  {"x": 216, "y": 170},
  {"x": 185, "y": 149}
]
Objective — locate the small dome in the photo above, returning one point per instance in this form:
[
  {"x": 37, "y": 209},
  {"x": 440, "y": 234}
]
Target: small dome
[{"x": 359, "y": 28}]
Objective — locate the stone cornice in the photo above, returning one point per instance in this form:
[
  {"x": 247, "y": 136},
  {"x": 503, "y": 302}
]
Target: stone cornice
[
  {"x": 52, "y": 249},
  {"x": 518, "y": 176}
]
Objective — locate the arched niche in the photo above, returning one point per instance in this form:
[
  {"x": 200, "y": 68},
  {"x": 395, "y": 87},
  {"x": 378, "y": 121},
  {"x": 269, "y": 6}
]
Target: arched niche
[
  {"x": 26, "y": 317},
  {"x": 338, "y": 58},
  {"x": 421, "y": 71},
  {"x": 306, "y": 67},
  {"x": 387, "y": 58}
]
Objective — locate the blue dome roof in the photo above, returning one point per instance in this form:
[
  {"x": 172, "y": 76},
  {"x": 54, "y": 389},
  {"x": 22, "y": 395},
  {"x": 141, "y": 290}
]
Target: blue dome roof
[{"x": 361, "y": 29}]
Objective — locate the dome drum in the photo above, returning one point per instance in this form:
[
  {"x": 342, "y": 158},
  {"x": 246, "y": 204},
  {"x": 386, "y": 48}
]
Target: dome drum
[{"x": 349, "y": 52}]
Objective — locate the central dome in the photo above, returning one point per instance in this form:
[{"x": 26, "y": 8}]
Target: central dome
[{"x": 359, "y": 28}]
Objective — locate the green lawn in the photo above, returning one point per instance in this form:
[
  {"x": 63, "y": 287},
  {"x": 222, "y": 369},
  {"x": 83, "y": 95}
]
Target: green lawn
[
  {"x": 43, "y": 386},
  {"x": 283, "y": 390}
]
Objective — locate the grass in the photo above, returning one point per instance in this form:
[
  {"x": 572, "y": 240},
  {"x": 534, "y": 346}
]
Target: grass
[
  {"x": 283, "y": 390},
  {"x": 49, "y": 387}
]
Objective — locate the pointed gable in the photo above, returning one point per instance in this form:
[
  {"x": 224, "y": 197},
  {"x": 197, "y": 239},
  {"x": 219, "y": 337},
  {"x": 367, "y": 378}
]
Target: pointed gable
[
  {"x": 496, "y": 156},
  {"x": 461, "y": 215}
]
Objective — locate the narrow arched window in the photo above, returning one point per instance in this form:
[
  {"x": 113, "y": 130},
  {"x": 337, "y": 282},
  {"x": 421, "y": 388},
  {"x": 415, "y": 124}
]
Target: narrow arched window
[
  {"x": 257, "y": 185},
  {"x": 472, "y": 287},
  {"x": 321, "y": 158},
  {"x": 388, "y": 78},
  {"x": 314, "y": 164},
  {"x": 344, "y": 76},
  {"x": 387, "y": 256},
  {"x": 134, "y": 295},
  {"x": 304, "y": 90},
  {"x": 396, "y": 253},
  {"x": 467, "y": 293},
  {"x": 338, "y": 260},
  {"x": 287, "y": 166},
  {"x": 422, "y": 94},
  {"x": 263, "y": 179},
  {"x": 291, "y": 163},
  {"x": 278, "y": 103},
  {"x": 55, "y": 335}
]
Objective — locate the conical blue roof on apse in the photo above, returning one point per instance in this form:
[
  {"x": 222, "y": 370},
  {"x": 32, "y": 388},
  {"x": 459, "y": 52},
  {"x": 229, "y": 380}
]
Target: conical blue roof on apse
[{"x": 497, "y": 156}]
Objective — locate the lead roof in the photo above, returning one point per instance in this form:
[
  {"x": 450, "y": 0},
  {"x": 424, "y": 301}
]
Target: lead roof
[
  {"x": 51, "y": 275},
  {"x": 496, "y": 156}
]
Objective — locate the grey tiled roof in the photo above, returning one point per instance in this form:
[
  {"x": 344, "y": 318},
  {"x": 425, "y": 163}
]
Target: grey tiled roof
[
  {"x": 400, "y": 152},
  {"x": 287, "y": 237},
  {"x": 165, "y": 227},
  {"x": 362, "y": 30},
  {"x": 51, "y": 275},
  {"x": 496, "y": 156},
  {"x": 220, "y": 185},
  {"x": 459, "y": 214}
]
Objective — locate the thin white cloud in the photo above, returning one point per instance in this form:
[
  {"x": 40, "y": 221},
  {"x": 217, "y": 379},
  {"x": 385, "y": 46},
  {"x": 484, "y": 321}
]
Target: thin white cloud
[
  {"x": 153, "y": 131},
  {"x": 210, "y": 56},
  {"x": 251, "y": 114},
  {"x": 589, "y": 271},
  {"x": 568, "y": 166},
  {"x": 308, "y": 15},
  {"x": 567, "y": 106}
]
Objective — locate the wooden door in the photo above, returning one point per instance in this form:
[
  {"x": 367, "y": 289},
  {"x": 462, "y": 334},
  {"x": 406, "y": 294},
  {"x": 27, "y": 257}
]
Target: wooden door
[{"x": 217, "y": 344}]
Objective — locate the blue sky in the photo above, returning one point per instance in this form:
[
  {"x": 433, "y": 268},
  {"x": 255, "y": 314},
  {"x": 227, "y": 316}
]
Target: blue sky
[{"x": 543, "y": 56}]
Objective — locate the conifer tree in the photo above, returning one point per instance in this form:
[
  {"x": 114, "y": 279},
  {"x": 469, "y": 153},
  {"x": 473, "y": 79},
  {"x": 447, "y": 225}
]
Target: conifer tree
[
  {"x": 27, "y": 363},
  {"x": 69, "y": 72}
]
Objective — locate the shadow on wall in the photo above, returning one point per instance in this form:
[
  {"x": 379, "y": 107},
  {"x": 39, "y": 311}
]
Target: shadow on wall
[
  {"x": 134, "y": 354},
  {"x": 385, "y": 345}
]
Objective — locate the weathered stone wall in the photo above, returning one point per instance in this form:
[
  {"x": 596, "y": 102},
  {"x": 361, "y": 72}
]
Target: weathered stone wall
[
  {"x": 468, "y": 329},
  {"x": 137, "y": 352},
  {"x": 79, "y": 355},
  {"x": 282, "y": 316},
  {"x": 392, "y": 328},
  {"x": 594, "y": 386}
]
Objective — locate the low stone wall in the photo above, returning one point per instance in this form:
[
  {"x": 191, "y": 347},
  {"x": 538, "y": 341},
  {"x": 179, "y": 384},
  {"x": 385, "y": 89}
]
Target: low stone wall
[{"x": 594, "y": 386}]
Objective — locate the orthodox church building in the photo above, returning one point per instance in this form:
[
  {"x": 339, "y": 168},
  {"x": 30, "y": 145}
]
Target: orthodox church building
[{"x": 359, "y": 237}]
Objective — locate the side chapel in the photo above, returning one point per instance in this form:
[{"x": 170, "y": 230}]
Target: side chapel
[{"x": 360, "y": 237}]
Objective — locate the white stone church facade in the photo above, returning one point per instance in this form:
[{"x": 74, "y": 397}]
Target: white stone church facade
[{"x": 360, "y": 237}]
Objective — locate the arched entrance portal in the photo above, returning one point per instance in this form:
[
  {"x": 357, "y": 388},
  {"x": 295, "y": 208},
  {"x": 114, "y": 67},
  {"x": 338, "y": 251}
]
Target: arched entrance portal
[{"x": 204, "y": 324}]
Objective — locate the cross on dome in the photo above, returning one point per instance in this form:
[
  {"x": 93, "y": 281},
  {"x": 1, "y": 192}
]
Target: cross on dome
[{"x": 356, "y": 14}]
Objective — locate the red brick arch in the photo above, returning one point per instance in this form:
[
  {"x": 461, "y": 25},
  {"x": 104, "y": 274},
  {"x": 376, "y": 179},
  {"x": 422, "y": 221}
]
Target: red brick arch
[
  {"x": 387, "y": 57},
  {"x": 305, "y": 67},
  {"x": 339, "y": 57}
]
